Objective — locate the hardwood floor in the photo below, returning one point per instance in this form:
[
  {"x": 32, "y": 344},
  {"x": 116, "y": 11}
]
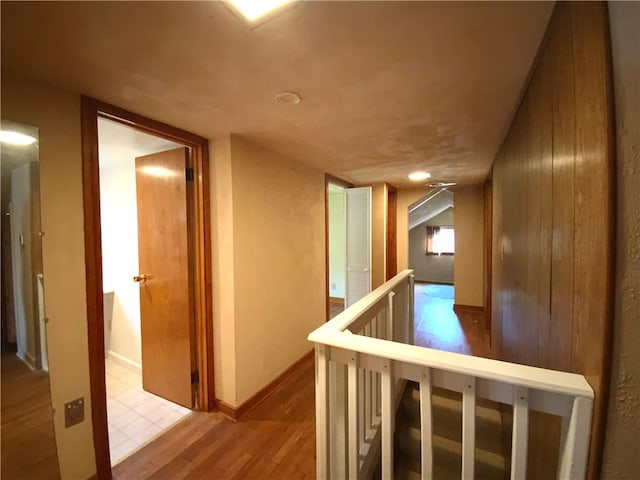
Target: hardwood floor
[
  {"x": 275, "y": 440},
  {"x": 335, "y": 308},
  {"x": 437, "y": 325},
  {"x": 28, "y": 441}
]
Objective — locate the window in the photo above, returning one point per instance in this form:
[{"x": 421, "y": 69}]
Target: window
[{"x": 440, "y": 241}]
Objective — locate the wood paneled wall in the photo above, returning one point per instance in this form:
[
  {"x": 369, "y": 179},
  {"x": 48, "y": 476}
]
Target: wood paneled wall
[{"x": 553, "y": 218}]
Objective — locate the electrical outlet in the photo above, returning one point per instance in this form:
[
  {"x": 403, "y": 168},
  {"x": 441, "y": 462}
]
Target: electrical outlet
[{"x": 74, "y": 412}]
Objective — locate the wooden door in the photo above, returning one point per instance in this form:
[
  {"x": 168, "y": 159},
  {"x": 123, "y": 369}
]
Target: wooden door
[{"x": 164, "y": 277}]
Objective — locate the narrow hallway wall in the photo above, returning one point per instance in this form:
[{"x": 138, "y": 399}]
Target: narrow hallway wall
[{"x": 552, "y": 229}]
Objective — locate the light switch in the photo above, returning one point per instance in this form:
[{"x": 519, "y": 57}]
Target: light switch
[{"x": 73, "y": 412}]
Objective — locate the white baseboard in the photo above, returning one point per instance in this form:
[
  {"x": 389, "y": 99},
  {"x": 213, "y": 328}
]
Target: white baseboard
[
  {"x": 28, "y": 359},
  {"x": 125, "y": 362}
]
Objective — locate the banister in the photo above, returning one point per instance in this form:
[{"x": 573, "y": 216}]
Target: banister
[
  {"x": 364, "y": 340},
  {"x": 522, "y": 375}
]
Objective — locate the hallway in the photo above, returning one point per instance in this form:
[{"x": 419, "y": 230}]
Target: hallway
[
  {"x": 28, "y": 443},
  {"x": 438, "y": 326}
]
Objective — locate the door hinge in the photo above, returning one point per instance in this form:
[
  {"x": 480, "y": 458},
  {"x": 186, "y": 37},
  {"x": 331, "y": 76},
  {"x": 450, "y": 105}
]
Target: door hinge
[
  {"x": 189, "y": 174},
  {"x": 195, "y": 377}
]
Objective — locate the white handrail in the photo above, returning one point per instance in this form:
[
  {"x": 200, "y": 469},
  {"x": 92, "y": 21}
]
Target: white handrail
[{"x": 348, "y": 342}]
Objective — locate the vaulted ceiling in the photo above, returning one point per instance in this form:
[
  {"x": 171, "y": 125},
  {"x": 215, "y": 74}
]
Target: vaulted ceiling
[{"x": 387, "y": 87}]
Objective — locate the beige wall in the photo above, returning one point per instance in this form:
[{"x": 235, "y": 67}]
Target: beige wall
[
  {"x": 468, "y": 268},
  {"x": 279, "y": 262},
  {"x": 378, "y": 234},
  {"x": 405, "y": 198},
  {"x": 57, "y": 114},
  {"x": 268, "y": 261},
  {"x": 621, "y": 459},
  {"x": 222, "y": 222}
]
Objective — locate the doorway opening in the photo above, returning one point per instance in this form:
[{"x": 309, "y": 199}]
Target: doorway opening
[
  {"x": 431, "y": 256},
  {"x": 336, "y": 246},
  {"x": 148, "y": 272},
  {"x": 136, "y": 411},
  {"x": 348, "y": 240}
]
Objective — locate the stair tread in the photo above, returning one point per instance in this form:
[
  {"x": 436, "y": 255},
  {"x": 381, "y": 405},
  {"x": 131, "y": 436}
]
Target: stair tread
[
  {"x": 490, "y": 462},
  {"x": 487, "y": 409},
  {"x": 412, "y": 434}
]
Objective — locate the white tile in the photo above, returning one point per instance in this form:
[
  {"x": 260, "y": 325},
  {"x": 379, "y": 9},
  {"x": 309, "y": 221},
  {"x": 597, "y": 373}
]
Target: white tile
[
  {"x": 143, "y": 435},
  {"x": 137, "y": 425},
  {"x": 160, "y": 412},
  {"x": 124, "y": 419},
  {"x": 115, "y": 387},
  {"x": 116, "y": 370},
  {"x": 123, "y": 450},
  {"x": 115, "y": 408},
  {"x": 132, "y": 378},
  {"x": 144, "y": 408},
  {"x": 169, "y": 420},
  {"x": 133, "y": 397},
  {"x": 116, "y": 437},
  {"x": 180, "y": 409}
]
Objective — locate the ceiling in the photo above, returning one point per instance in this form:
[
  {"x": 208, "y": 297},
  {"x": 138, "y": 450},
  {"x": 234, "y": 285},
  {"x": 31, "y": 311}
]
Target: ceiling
[
  {"x": 387, "y": 87},
  {"x": 429, "y": 206},
  {"x": 119, "y": 145}
]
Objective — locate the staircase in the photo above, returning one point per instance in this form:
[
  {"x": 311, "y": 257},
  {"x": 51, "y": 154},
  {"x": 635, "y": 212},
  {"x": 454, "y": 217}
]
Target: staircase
[{"x": 491, "y": 458}]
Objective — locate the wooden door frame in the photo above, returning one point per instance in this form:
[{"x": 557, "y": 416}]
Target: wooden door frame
[
  {"x": 488, "y": 248},
  {"x": 342, "y": 183},
  {"x": 91, "y": 110}
]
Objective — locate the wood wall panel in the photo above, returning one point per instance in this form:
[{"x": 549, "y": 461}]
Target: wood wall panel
[
  {"x": 594, "y": 212},
  {"x": 553, "y": 219}
]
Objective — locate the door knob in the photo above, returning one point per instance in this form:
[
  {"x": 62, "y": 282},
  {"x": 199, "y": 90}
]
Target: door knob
[{"x": 141, "y": 278}]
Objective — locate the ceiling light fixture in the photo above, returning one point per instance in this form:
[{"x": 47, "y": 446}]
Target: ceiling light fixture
[
  {"x": 441, "y": 184},
  {"x": 288, "y": 98},
  {"x": 252, "y": 10},
  {"x": 417, "y": 176},
  {"x": 15, "y": 138}
]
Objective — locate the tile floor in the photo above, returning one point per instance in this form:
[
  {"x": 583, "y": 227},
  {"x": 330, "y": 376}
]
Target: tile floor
[{"x": 135, "y": 417}]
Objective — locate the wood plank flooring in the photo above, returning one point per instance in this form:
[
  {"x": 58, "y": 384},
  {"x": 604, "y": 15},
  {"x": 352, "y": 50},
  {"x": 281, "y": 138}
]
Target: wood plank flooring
[
  {"x": 275, "y": 440},
  {"x": 437, "y": 325},
  {"x": 28, "y": 441}
]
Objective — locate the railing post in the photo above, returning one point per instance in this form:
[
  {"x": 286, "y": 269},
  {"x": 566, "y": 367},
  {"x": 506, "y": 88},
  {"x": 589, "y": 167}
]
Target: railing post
[
  {"x": 390, "y": 315},
  {"x": 468, "y": 428},
  {"x": 574, "y": 441},
  {"x": 388, "y": 420},
  {"x": 426, "y": 425},
  {"x": 412, "y": 330},
  {"x": 520, "y": 435},
  {"x": 322, "y": 412},
  {"x": 354, "y": 416}
]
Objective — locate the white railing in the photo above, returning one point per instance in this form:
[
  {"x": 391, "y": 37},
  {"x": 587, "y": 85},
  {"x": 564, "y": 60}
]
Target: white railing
[{"x": 363, "y": 358}]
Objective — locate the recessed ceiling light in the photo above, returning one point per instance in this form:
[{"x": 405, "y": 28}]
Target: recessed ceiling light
[
  {"x": 441, "y": 184},
  {"x": 288, "y": 98},
  {"x": 15, "y": 138},
  {"x": 252, "y": 10},
  {"x": 417, "y": 176}
]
